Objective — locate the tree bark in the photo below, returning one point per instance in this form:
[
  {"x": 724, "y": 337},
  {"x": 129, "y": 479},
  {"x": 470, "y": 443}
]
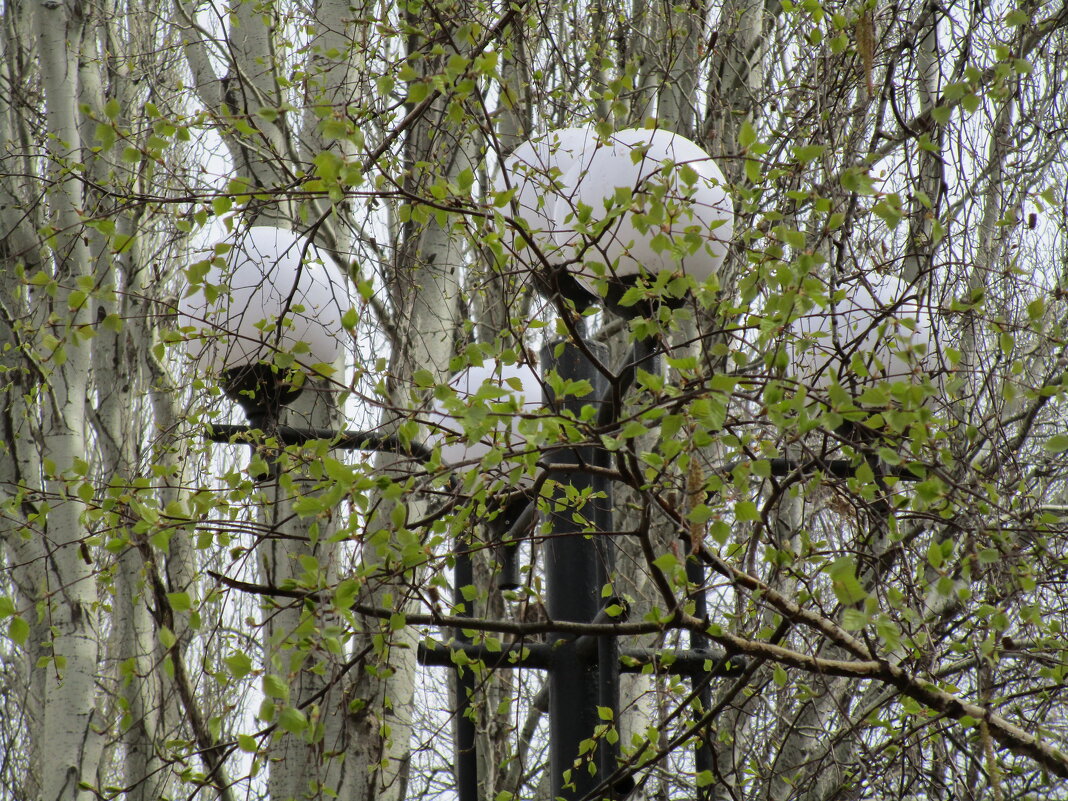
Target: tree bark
[{"x": 71, "y": 742}]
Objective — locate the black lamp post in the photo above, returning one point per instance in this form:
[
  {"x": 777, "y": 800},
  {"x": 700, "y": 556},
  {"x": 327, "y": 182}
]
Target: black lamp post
[
  {"x": 583, "y": 672},
  {"x": 555, "y": 180}
]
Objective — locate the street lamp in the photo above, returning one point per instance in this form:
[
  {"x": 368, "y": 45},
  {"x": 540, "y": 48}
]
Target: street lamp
[
  {"x": 537, "y": 173},
  {"x": 511, "y": 389},
  {"x": 514, "y": 395},
  {"x": 637, "y": 207},
  {"x": 867, "y": 349},
  {"x": 685, "y": 222},
  {"x": 264, "y": 314}
]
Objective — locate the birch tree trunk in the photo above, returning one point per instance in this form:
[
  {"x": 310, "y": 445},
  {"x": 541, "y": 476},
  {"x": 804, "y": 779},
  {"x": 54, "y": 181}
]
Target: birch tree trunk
[
  {"x": 306, "y": 754},
  {"x": 424, "y": 291},
  {"x": 119, "y": 389},
  {"x": 23, "y": 547},
  {"x": 928, "y": 186},
  {"x": 737, "y": 78},
  {"x": 70, "y": 742},
  {"x": 20, "y": 460}
]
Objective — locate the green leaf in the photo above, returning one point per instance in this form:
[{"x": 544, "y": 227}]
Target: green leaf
[
  {"x": 889, "y": 632},
  {"x": 857, "y": 180},
  {"x": 887, "y": 213},
  {"x": 328, "y": 165},
  {"x": 179, "y": 601},
  {"x": 18, "y": 630},
  {"x": 1058, "y": 443},
  {"x": 166, "y": 637},
  {"x": 333, "y": 129},
  {"x": 345, "y": 594},
  {"x": 239, "y": 664},
  {"x": 934, "y": 555},
  {"x": 746, "y": 510},
  {"x": 854, "y": 619},
  {"x": 844, "y": 581},
  {"x": 418, "y": 92},
  {"x": 688, "y": 175},
  {"x": 790, "y": 236},
  {"x": 274, "y": 687},
  {"x": 941, "y": 114},
  {"x": 1017, "y": 17},
  {"x": 105, "y": 135},
  {"x": 267, "y": 710},
  {"x": 779, "y": 675},
  {"x": 666, "y": 561},
  {"x": 747, "y": 135},
  {"x": 807, "y": 153},
  {"x": 220, "y": 204},
  {"x": 292, "y": 720}
]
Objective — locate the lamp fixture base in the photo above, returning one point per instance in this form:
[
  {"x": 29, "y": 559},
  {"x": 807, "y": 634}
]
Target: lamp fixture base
[{"x": 261, "y": 390}]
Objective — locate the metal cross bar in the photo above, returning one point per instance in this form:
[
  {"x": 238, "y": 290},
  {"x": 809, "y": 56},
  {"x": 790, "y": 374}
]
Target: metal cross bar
[{"x": 538, "y": 655}]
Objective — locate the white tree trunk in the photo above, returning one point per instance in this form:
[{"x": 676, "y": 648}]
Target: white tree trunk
[
  {"x": 425, "y": 294},
  {"x": 928, "y": 185},
  {"x": 71, "y": 742},
  {"x": 305, "y": 764},
  {"x": 19, "y": 428},
  {"x": 25, "y": 556}
]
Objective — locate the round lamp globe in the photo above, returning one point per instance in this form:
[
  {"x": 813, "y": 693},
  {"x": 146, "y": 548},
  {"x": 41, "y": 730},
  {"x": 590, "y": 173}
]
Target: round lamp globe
[
  {"x": 647, "y": 201},
  {"x": 536, "y": 170},
  {"x": 879, "y": 331},
  {"x": 267, "y": 292},
  {"x": 507, "y": 391}
]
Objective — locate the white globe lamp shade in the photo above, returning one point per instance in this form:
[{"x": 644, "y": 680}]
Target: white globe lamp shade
[
  {"x": 879, "y": 331},
  {"x": 506, "y": 390},
  {"x": 272, "y": 293},
  {"x": 268, "y": 298},
  {"x": 672, "y": 208},
  {"x": 536, "y": 170}
]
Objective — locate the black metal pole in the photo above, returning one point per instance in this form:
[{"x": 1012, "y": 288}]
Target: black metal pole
[
  {"x": 572, "y": 594},
  {"x": 506, "y": 530},
  {"x": 339, "y": 440},
  {"x": 464, "y": 725},
  {"x": 608, "y": 650},
  {"x": 695, "y": 575}
]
